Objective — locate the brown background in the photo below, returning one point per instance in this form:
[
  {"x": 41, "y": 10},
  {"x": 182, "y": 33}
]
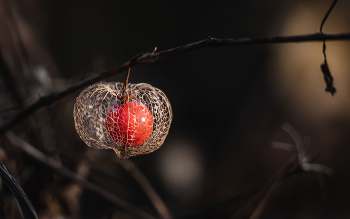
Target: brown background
[{"x": 228, "y": 103}]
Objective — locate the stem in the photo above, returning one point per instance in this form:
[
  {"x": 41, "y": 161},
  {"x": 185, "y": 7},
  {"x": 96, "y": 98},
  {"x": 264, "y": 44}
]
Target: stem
[
  {"x": 125, "y": 85},
  {"x": 327, "y": 14}
]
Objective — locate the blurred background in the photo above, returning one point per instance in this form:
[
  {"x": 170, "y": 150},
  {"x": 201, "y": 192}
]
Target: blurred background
[{"x": 228, "y": 104}]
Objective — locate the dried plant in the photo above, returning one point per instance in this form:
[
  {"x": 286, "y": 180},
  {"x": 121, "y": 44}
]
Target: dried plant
[{"x": 129, "y": 130}]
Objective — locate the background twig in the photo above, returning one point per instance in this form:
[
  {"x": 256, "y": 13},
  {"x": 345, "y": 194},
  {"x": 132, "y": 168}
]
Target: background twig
[
  {"x": 36, "y": 154},
  {"x": 283, "y": 173},
  {"x": 146, "y": 186},
  {"x": 23, "y": 201},
  {"x": 144, "y": 183}
]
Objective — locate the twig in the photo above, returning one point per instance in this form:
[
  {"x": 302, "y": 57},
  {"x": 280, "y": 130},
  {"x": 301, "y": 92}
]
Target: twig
[
  {"x": 327, "y": 14},
  {"x": 327, "y": 76},
  {"x": 249, "y": 206},
  {"x": 146, "y": 186},
  {"x": 48, "y": 161},
  {"x": 281, "y": 174},
  {"x": 151, "y": 57},
  {"x": 263, "y": 203},
  {"x": 23, "y": 201},
  {"x": 141, "y": 179}
]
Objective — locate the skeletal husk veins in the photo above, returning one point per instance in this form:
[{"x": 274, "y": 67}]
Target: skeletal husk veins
[{"x": 102, "y": 101}]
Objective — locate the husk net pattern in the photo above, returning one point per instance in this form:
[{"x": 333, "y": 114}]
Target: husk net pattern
[{"x": 94, "y": 105}]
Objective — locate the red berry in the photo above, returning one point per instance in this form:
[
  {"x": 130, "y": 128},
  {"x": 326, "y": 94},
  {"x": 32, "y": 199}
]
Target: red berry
[{"x": 129, "y": 125}]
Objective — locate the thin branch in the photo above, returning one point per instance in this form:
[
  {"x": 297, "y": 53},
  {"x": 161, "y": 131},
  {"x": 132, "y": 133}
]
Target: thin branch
[
  {"x": 327, "y": 14},
  {"x": 250, "y": 205},
  {"x": 48, "y": 161},
  {"x": 146, "y": 186},
  {"x": 266, "y": 200},
  {"x": 151, "y": 57},
  {"x": 288, "y": 168},
  {"x": 23, "y": 201},
  {"x": 283, "y": 173},
  {"x": 141, "y": 179}
]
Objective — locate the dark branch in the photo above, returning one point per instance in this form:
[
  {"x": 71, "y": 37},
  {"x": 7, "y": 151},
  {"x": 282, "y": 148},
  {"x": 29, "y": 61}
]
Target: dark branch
[
  {"x": 327, "y": 14},
  {"x": 147, "y": 187},
  {"x": 48, "y": 161},
  {"x": 241, "y": 195},
  {"x": 23, "y": 201},
  {"x": 151, "y": 57},
  {"x": 141, "y": 179}
]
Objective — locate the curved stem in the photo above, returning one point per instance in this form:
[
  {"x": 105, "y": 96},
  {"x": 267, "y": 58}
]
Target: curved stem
[
  {"x": 126, "y": 80},
  {"x": 327, "y": 14}
]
